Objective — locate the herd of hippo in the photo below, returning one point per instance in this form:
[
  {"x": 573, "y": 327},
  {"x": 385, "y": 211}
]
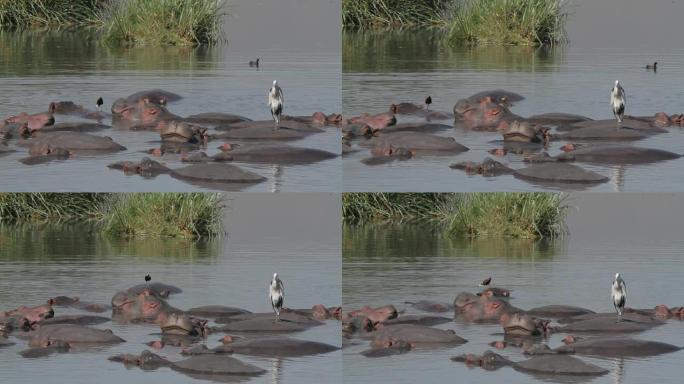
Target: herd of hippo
[
  {"x": 586, "y": 140},
  {"x": 587, "y": 333},
  {"x": 181, "y": 138},
  {"x": 45, "y": 332}
]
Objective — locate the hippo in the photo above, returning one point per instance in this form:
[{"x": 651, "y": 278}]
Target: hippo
[
  {"x": 264, "y": 324},
  {"x": 274, "y": 154},
  {"x": 651, "y": 125},
  {"x": 554, "y": 173},
  {"x": 216, "y": 311},
  {"x": 606, "y": 323},
  {"x": 538, "y": 365},
  {"x": 416, "y": 335},
  {"x": 211, "y": 366},
  {"x": 318, "y": 119},
  {"x": 215, "y": 118},
  {"x": 264, "y": 130},
  {"x": 432, "y": 306},
  {"x": 267, "y": 347},
  {"x": 406, "y": 108},
  {"x": 145, "y": 306},
  {"x": 77, "y": 142},
  {"x": 286, "y": 315},
  {"x": 5, "y": 149},
  {"x": 384, "y": 155},
  {"x": 495, "y": 292},
  {"x": 471, "y": 307},
  {"x": 357, "y": 324},
  {"x": 160, "y": 289},
  {"x": 376, "y": 315},
  {"x": 488, "y": 167},
  {"x": 486, "y": 110},
  {"x": 75, "y": 302},
  {"x": 417, "y": 320},
  {"x": 76, "y": 319},
  {"x": 47, "y": 348},
  {"x": 32, "y": 315},
  {"x": 73, "y": 334},
  {"x": 412, "y": 127},
  {"x": 523, "y": 132},
  {"x": 71, "y": 108},
  {"x": 374, "y": 122},
  {"x": 154, "y": 96},
  {"x": 601, "y": 133},
  {"x": 556, "y": 118},
  {"x": 519, "y": 324},
  {"x": 558, "y": 311},
  {"x": 140, "y": 115},
  {"x": 391, "y": 347},
  {"x": 41, "y": 154},
  {"x": 617, "y": 347},
  {"x": 615, "y": 154},
  {"x": 182, "y": 132},
  {"x": 147, "y": 168},
  {"x": 319, "y": 312},
  {"x": 181, "y": 324},
  {"x": 32, "y": 122},
  {"x": 216, "y": 175},
  {"x": 417, "y": 143}
]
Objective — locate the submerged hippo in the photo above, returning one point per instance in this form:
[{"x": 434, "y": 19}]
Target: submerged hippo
[
  {"x": 76, "y": 319},
  {"x": 389, "y": 348},
  {"x": 418, "y": 320},
  {"x": 71, "y": 108},
  {"x": 519, "y": 324},
  {"x": 274, "y": 154},
  {"x": 543, "y": 365},
  {"x": 417, "y": 143},
  {"x": 73, "y": 334},
  {"x": 182, "y": 132},
  {"x": 559, "y": 173},
  {"x": 268, "y": 347},
  {"x": 75, "y": 302},
  {"x": 181, "y": 324},
  {"x": 141, "y": 114},
  {"x": 558, "y": 311},
  {"x": 31, "y": 315},
  {"x": 470, "y": 307},
  {"x": 603, "y": 133},
  {"x": 488, "y": 167},
  {"x": 432, "y": 306},
  {"x": 200, "y": 366},
  {"x": 555, "y": 118},
  {"x": 77, "y": 142},
  {"x": 524, "y": 132},
  {"x": 47, "y": 348},
  {"x": 416, "y": 335},
  {"x": 32, "y": 122},
  {"x": 215, "y": 118},
  {"x": 614, "y": 154},
  {"x": 215, "y": 311},
  {"x": 44, "y": 153},
  {"x": 618, "y": 347},
  {"x": 606, "y": 323},
  {"x": 374, "y": 122},
  {"x": 376, "y": 315},
  {"x": 645, "y": 124},
  {"x": 486, "y": 110}
]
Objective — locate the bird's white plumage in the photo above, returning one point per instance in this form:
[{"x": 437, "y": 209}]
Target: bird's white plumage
[
  {"x": 276, "y": 101},
  {"x": 618, "y": 101},
  {"x": 276, "y": 294},
  {"x": 618, "y": 292}
]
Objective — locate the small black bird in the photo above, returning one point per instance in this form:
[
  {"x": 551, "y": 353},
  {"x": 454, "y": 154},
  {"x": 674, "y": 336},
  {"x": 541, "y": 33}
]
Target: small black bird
[
  {"x": 486, "y": 282},
  {"x": 428, "y": 101},
  {"x": 148, "y": 278},
  {"x": 254, "y": 63},
  {"x": 654, "y": 67},
  {"x": 99, "y": 103}
]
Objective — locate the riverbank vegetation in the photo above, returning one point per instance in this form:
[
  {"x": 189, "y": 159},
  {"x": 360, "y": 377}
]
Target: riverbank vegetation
[
  {"x": 123, "y": 23},
  {"x": 514, "y": 215},
  {"x": 159, "y": 215},
  {"x": 466, "y": 22}
]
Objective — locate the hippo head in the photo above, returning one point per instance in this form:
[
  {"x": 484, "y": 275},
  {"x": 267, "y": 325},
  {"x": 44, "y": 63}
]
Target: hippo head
[
  {"x": 65, "y": 300},
  {"x": 357, "y": 324},
  {"x": 64, "y": 107},
  {"x": 466, "y": 301},
  {"x": 662, "y": 311},
  {"x": 334, "y": 119},
  {"x": 180, "y": 324},
  {"x": 35, "y": 314},
  {"x": 488, "y": 360},
  {"x": 320, "y": 312},
  {"x": 519, "y": 324},
  {"x": 319, "y": 118},
  {"x": 661, "y": 119},
  {"x": 494, "y": 291},
  {"x": 141, "y": 112}
]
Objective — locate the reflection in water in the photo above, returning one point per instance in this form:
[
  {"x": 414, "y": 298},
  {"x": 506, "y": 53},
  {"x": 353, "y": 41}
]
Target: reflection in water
[
  {"x": 276, "y": 370},
  {"x": 426, "y": 51},
  {"x": 617, "y": 177},
  {"x": 618, "y": 373},
  {"x": 408, "y": 243}
]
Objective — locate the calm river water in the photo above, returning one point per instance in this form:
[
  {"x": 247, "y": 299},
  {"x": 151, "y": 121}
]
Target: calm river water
[
  {"x": 634, "y": 234},
  {"x": 265, "y": 234},
  {"x": 38, "y": 68},
  {"x": 609, "y": 40}
]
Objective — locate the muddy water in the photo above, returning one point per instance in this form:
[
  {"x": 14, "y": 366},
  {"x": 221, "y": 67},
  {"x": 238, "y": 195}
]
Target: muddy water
[
  {"x": 264, "y": 235},
  {"x": 38, "y": 68},
  {"x": 634, "y": 234},
  {"x": 605, "y": 45}
]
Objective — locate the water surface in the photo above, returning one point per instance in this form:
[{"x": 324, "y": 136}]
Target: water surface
[
  {"x": 634, "y": 234},
  {"x": 37, "y": 68},
  {"x": 609, "y": 40},
  {"x": 264, "y": 235}
]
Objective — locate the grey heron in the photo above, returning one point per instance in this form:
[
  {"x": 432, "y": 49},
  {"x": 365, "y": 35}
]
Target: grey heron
[
  {"x": 654, "y": 67},
  {"x": 99, "y": 103},
  {"x": 617, "y": 101},
  {"x": 276, "y": 292},
  {"x": 428, "y": 101},
  {"x": 275, "y": 101},
  {"x": 619, "y": 294},
  {"x": 254, "y": 63},
  {"x": 486, "y": 282}
]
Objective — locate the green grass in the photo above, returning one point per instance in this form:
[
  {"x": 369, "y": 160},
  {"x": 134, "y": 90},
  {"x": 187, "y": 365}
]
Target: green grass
[
  {"x": 162, "y": 22},
  {"x": 509, "y": 22},
  {"x": 183, "y": 215},
  {"x": 514, "y": 215},
  {"x": 134, "y": 215},
  {"x": 49, "y": 13},
  {"x": 394, "y": 13}
]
